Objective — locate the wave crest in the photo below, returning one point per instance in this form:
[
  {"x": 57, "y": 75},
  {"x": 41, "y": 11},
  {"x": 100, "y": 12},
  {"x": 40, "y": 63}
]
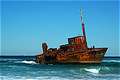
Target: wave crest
[
  {"x": 29, "y": 62},
  {"x": 111, "y": 61},
  {"x": 92, "y": 70}
]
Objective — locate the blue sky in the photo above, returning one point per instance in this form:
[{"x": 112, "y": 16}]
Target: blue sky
[{"x": 26, "y": 24}]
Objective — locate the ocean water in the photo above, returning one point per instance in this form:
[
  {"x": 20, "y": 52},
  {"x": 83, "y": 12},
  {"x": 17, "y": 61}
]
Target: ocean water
[{"x": 25, "y": 68}]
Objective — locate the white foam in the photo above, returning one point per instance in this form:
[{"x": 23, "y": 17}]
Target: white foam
[
  {"x": 36, "y": 78},
  {"x": 29, "y": 62},
  {"x": 93, "y": 70},
  {"x": 111, "y": 61}
]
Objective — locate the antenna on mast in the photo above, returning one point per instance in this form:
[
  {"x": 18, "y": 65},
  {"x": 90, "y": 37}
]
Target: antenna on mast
[{"x": 81, "y": 15}]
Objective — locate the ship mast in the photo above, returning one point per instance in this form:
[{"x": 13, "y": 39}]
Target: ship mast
[{"x": 83, "y": 28}]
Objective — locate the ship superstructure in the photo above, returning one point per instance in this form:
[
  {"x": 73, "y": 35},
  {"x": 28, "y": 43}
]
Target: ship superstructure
[{"x": 76, "y": 51}]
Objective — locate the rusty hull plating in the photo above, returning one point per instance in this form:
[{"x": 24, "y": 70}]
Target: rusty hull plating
[{"x": 76, "y": 51}]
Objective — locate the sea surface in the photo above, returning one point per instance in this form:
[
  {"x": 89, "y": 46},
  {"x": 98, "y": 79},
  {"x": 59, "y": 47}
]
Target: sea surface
[{"x": 25, "y": 68}]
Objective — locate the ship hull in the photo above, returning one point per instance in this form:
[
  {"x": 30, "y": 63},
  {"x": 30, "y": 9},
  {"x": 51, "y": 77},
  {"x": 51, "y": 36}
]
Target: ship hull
[{"x": 89, "y": 56}]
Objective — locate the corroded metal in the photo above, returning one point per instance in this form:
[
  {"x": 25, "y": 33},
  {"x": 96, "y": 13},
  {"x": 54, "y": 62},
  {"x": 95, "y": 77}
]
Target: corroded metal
[
  {"x": 72, "y": 55},
  {"x": 76, "y": 51}
]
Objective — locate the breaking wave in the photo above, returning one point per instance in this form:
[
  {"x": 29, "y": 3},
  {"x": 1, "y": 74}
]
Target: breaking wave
[
  {"x": 29, "y": 62},
  {"x": 25, "y": 68},
  {"x": 36, "y": 78},
  {"x": 118, "y": 61},
  {"x": 92, "y": 70}
]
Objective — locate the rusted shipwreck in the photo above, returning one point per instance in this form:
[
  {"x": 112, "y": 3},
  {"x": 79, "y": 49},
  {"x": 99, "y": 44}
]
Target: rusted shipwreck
[{"x": 76, "y": 51}]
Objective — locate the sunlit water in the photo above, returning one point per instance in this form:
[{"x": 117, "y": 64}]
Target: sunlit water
[{"x": 25, "y": 68}]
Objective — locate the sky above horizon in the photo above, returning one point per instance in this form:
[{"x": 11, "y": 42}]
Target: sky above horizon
[{"x": 25, "y": 25}]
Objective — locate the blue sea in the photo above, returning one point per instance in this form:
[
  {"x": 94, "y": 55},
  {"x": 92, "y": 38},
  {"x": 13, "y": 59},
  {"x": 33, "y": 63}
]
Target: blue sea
[{"x": 25, "y": 68}]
